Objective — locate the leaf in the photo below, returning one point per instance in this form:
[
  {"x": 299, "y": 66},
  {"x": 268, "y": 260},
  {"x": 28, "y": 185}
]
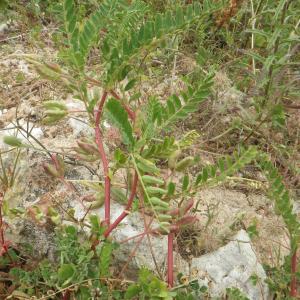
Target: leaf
[
  {"x": 65, "y": 273},
  {"x": 132, "y": 291},
  {"x": 130, "y": 85},
  {"x": 171, "y": 188},
  {"x": 185, "y": 182},
  {"x": 146, "y": 165},
  {"x": 105, "y": 258},
  {"x": 119, "y": 117}
]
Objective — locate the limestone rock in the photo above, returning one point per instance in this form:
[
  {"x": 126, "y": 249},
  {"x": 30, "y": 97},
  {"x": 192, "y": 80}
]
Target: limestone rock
[{"x": 232, "y": 266}]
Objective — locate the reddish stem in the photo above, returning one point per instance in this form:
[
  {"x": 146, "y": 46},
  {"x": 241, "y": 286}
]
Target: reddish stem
[
  {"x": 293, "y": 292},
  {"x": 131, "y": 113},
  {"x": 104, "y": 160},
  {"x": 126, "y": 210},
  {"x": 170, "y": 260}
]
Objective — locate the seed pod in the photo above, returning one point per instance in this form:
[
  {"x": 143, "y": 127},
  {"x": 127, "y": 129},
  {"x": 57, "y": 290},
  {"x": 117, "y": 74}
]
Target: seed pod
[
  {"x": 187, "y": 220},
  {"x": 186, "y": 207},
  {"x": 54, "y": 105},
  {"x": 55, "y": 67},
  {"x": 157, "y": 202},
  {"x": 100, "y": 197},
  {"x": 47, "y": 72},
  {"x": 174, "y": 212},
  {"x": 163, "y": 218},
  {"x": 89, "y": 198},
  {"x": 146, "y": 165},
  {"x": 50, "y": 120},
  {"x": 164, "y": 228},
  {"x": 88, "y": 148},
  {"x": 51, "y": 170},
  {"x": 152, "y": 180},
  {"x": 155, "y": 190},
  {"x": 55, "y": 113},
  {"x": 184, "y": 163},
  {"x": 173, "y": 158},
  {"x": 12, "y": 141},
  {"x": 119, "y": 195},
  {"x": 88, "y": 158}
]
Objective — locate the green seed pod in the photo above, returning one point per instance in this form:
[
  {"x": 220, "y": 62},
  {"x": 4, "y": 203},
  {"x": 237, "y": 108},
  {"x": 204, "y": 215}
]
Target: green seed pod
[
  {"x": 146, "y": 165},
  {"x": 155, "y": 190},
  {"x": 54, "y": 105},
  {"x": 51, "y": 170},
  {"x": 51, "y": 119},
  {"x": 55, "y": 112},
  {"x": 157, "y": 202},
  {"x": 55, "y": 67},
  {"x": 173, "y": 158},
  {"x": 152, "y": 180},
  {"x": 184, "y": 163},
  {"x": 100, "y": 197},
  {"x": 164, "y": 228},
  {"x": 162, "y": 217},
  {"x": 119, "y": 195},
  {"x": 12, "y": 141}
]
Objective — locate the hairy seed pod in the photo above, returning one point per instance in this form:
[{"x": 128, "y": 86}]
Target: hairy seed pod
[
  {"x": 54, "y": 105},
  {"x": 187, "y": 220},
  {"x": 12, "y": 141},
  {"x": 50, "y": 170},
  {"x": 184, "y": 163},
  {"x": 186, "y": 207},
  {"x": 163, "y": 218},
  {"x": 88, "y": 148},
  {"x": 152, "y": 180},
  {"x": 157, "y": 202},
  {"x": 99, "y": 200},
  {"x": 152, "y": 190},
  {"x": 173, "y": 158}
]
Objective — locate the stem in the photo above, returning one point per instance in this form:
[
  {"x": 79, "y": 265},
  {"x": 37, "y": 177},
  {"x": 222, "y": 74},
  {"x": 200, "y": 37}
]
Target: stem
[
  {"x": 293, "y": 291},
  {"x": 104, "y": 160},
  {"x": 131, "y": 113},
  {"x": 126, "y": 210},
  {"x": 170, "y": 260}
]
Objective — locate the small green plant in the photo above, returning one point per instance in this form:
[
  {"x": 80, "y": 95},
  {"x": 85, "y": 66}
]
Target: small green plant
[
  {"x": 235, "y": 294},
  {"x": 79, "y": 271}
]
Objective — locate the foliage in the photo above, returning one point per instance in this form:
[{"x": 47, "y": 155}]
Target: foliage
[
  {"x": 148, "y": 287},
  {"x": 163, "y": 175},
  {"x": 78, "y": 267}
]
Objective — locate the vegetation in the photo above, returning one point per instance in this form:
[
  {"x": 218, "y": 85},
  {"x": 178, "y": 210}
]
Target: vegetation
[{"x": 105, "y": 55}]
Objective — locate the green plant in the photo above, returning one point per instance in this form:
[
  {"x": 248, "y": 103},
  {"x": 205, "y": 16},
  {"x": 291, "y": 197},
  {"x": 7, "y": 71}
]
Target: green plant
[
  {"x": 79, "y": 271},
  {"x": 141, "y": 124},
  {"x": 148, "y": 287},
  {"x": 123, "y": 35},
  {"x": 235, "y": 294},
  {"x": 284, "y": 208}
]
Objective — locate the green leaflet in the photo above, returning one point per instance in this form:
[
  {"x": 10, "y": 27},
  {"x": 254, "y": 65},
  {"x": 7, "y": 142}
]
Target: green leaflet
[
  {"x": 149, "y": 34},
  {"x": 105, "y": 258},
  {"x": 119, "y": 117},
  {"x": 283, "y": 203},
  {"x": 178, "y": 108},
  {"x": 226, "y": 167}
]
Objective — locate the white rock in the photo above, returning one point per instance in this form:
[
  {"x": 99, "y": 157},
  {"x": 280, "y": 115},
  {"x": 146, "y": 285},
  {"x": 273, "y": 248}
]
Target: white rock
[
  {"x": 232, "y": 266},
  {"x": 3, "y": 27},
  {"x": 80, "y": 127},
  {"x": 131, "y": 226}
]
